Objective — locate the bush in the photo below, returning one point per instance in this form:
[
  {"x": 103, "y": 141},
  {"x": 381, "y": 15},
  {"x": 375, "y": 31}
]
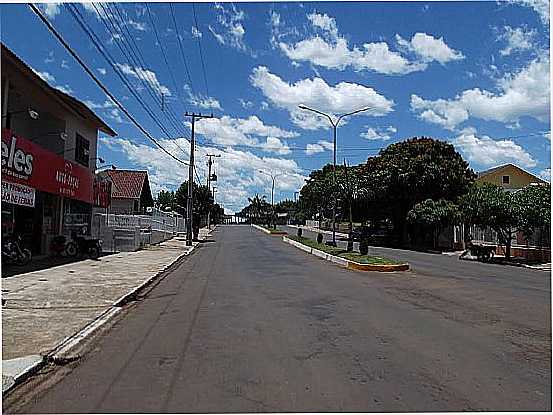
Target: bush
[
  {"x": 300, "y": 232},
  {"x": 364, "y": 247},
  {"x": 320, "y": 238}
]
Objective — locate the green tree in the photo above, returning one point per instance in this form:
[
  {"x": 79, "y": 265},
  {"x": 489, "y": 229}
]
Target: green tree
[
  {"x": 409, "y": 172},
  {"x": 202, "y": 201},
  {"x": 488, "y": 205},
  {"x": 316, "y": 195},
  {"x": 431, "y": 217},
  {"x": 534, "y": 208},
  {"x": 258, "y": 210},
  {"x": 165, "y": 199}
]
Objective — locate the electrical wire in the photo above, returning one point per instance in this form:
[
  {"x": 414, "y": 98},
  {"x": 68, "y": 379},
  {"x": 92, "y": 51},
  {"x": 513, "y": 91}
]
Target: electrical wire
[
  {"x": 181, "y": 49},
  {"x": 107, "y": 56},
  {"x": 58, "y": 36},
  {"x": 135, "y": 61},
  {"x": 164, "y": 55},
  {"x": 198, "y": 39}
]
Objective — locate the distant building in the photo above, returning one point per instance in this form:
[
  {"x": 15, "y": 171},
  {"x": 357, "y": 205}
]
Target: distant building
[
  {"x": 49, "y": 142},
  {"x": 130, "y": 191},
  {"x": 508, "y": 176}
]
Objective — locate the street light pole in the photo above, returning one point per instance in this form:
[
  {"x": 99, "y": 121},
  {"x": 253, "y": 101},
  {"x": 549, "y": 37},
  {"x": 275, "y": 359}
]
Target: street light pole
[
  {"x": 334, "y": 125},
  {"x": 273, "y": 177}
]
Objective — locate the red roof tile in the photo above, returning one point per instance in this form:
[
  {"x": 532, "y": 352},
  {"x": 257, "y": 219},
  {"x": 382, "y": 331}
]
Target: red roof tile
[{"x": 127, "y": 184}]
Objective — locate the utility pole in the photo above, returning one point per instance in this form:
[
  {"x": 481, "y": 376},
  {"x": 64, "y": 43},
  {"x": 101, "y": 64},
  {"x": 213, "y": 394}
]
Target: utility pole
[
  {"x": 334, "y": 124},
  {"x": 189, "y": 200},
  {"x": 209, "y": 164}
]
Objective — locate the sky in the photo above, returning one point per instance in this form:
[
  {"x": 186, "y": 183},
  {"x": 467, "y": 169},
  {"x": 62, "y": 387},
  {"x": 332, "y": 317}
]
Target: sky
[{"x": 475, "y": 74}]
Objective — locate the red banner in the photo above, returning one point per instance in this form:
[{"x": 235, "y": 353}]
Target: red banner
[
  {"x": 102, "y": 193},
  {"x": 27, "y": 163}
]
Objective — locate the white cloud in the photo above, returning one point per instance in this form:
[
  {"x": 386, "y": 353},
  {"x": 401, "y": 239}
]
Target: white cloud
[
  {"x": 316, "y": 93},
  {"x": 51, "y": 10},
  {"x": 46, "y": 76},
  {"x": 313, "y": 149},
  {"x": 237, "y": 171},
  {"x": 275, "y": 145},
  {"x": 140, "y": 26},
  {"x": 102, "y": 70},
  {"x": 541, "y": 7},
  {"x": 545, "y": 174},
  {"x": 245, "y": 104},
  {"x": 330, "y": 50},
  {"x": 518, "y": 39},
  {"x": 324, "y": 22},
  {"x": 383, "y": 134},
  {"x": 486, "y": 152},
  {"x": 525, "y": 93},
  {"x": 66, "y": 89},
  {"x": 149, "y": 76},
  {"x": 230, "y": 30},
  {"x": 429, "y": 49},
  {"x": 195, "y": 32},
  {"x": 229, "y": 131},
  {"x": 64, "y": 64},
  {"x": 50, "y": 57},
  {"x": 202, "y": 101},
  {"x": 319, "y": 147}
]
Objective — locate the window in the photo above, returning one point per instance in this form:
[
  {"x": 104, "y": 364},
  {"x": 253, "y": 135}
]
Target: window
[
  {"x": 82, "y": 146},
  {"x": 505, "y": 179}
]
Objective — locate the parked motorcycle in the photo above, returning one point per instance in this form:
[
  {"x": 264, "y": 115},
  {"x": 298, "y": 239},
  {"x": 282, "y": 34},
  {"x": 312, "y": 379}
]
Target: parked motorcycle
[
  {"x": 59, "y": 246},
  {"x": 84, "y": 246},
  {"x": 13, "y": 252}
]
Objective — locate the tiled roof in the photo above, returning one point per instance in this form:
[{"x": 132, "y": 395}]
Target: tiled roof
[{"x": 127, "y": 184}]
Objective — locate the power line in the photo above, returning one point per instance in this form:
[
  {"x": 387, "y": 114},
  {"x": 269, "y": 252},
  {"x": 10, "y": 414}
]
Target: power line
[
  {"x": 107, "y": 56},
  {"x": 177, "y": 89},
  {"x": 98, "y": 82},
  {"x": 198, "y": 39},
  {"x": 136, "y": 61},
  {"x": 181, "y": 48}
]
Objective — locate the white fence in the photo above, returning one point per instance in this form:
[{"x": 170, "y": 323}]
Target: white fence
[{"x": 130, "y": 232}]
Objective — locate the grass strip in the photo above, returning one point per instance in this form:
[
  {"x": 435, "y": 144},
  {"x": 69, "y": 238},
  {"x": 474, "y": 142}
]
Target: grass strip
[{"x": 351, "y": 256}]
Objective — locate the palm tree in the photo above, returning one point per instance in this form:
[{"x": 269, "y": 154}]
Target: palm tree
[{"x": 257, "y": 206}]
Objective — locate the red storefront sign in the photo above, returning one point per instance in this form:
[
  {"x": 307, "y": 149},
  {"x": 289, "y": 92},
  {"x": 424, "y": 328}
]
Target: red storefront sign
[
  {"x": 102, "y": 193},
  {"x": 26, "y": 163}
]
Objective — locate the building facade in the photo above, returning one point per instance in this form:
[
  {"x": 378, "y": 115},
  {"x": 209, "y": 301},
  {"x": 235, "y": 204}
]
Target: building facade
[{"x": 49, "y": 147}]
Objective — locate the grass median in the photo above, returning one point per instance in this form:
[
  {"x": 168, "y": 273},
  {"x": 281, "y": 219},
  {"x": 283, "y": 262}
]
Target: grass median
[{"x": 340, "y": 252}]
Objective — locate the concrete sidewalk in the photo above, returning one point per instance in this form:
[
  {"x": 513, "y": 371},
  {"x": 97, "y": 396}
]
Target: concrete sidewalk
[{"x": 46, "y": 308}]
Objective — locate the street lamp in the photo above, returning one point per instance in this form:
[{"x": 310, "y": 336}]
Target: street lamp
[
  {"x": 273, "y": 177},
  {"x": 32, "y": 113},
  {"x": 334, "y": 127}
]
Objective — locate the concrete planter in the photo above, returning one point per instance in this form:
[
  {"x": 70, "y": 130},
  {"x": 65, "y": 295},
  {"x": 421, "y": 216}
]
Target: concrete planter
[{"x": 346, "y": 263}]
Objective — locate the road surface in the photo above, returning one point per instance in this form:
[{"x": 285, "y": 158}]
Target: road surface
[{"x": 250, "y": 324}]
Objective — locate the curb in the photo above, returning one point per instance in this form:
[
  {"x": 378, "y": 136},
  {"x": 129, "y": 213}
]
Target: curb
[
  {"x": 61, "y": 352},
  {"x": 346, "y": 263},
  {"x": 275, "y": 233}
]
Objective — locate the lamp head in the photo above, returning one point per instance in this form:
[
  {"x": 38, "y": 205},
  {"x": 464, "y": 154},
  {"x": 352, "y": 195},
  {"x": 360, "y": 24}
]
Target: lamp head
[{"x": 33, "y": 114}]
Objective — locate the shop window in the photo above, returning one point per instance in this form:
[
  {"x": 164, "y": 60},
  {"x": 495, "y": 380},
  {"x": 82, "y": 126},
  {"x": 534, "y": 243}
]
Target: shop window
[{"x": 82, "y": 148}]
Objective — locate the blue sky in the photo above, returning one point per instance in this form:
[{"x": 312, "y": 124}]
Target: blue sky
[{"x": 475, "y": 74}]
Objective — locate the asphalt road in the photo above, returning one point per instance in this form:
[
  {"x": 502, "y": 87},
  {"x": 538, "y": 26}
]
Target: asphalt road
[{"x": 250, "y": 324}]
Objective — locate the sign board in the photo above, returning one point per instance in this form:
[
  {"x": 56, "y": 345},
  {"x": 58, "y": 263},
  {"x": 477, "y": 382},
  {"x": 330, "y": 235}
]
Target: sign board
[
  {"x": 26, "y": 163},
  {"x": 18, "y": 194}
]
